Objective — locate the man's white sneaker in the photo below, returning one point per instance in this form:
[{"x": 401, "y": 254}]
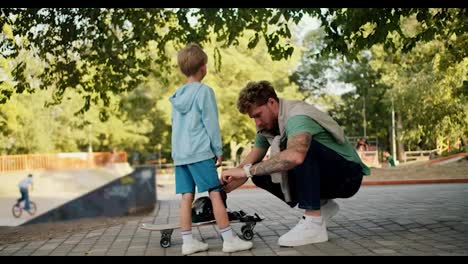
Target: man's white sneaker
[
  {"x": 305, "y": 232},
  {"x": 329, "y": 209},
  {"x": 195, "y": 246},
  {"x": 236, "y": 244}
]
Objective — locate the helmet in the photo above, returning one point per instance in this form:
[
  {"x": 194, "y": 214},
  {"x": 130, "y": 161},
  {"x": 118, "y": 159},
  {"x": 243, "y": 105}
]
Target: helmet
[{"x": 202, "y": 210}]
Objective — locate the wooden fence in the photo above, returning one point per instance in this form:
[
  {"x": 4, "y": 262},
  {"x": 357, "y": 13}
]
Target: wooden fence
[{"x": 59, "y": 161}]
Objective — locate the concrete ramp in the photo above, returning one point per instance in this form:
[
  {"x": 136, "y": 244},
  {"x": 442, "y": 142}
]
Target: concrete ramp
[
  {"x": 449, "y": 159},
  {"x": 53, "y": 188},
  {"x": 130, "y": 194}
]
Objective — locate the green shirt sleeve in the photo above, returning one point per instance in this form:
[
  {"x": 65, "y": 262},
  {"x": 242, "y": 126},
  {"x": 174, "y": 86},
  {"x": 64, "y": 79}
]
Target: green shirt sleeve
[
  {"x": 302, "y": 123},
  {"x": 261, "y": 142}
]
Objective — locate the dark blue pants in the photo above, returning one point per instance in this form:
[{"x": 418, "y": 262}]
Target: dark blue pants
[
  {"x": 324, "y": 174},
  {"x": 24, "y": 197}
]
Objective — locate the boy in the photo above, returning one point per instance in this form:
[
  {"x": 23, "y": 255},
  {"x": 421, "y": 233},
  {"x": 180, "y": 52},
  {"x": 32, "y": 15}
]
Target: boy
[{"x": 196, "y": 141}]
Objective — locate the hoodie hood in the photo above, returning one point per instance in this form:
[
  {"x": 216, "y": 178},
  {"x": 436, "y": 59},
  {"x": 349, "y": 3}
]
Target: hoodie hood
[{"x": 184, "y": 97}]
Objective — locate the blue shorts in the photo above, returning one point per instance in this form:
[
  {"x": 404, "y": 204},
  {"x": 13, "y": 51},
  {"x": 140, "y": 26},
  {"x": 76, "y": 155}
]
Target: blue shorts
[{"x": 202, "y": 174}]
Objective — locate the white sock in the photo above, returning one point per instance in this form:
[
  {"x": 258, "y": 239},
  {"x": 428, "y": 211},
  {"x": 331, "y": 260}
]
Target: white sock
[
  {"x": 226, "y": 233},
  {"x": 313, "y": 219},
  {"x": 187, "y": 237}
]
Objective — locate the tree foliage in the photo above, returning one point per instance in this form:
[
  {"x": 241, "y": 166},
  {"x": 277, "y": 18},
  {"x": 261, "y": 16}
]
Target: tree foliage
[
  {"x": 118, "y": 65},
  {"x": 427, "y": 81},
  {"x": 428, "y": 89},
  {"x": 100, "y": 51},
  {"x": 363, "y": 107},
  {"x": 351, "y": 30},
  {"x": 139, "y": 120}
]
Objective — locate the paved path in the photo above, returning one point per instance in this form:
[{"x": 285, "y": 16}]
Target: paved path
[{"x": 378, "y": 220}]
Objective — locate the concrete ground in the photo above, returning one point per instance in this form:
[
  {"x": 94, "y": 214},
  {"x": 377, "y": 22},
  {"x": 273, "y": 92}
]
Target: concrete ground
[{"x": 426, "y": 219}]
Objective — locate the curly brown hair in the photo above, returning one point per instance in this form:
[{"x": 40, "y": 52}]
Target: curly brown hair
[
  {"x": 191, "y": 58},
  {"x": 255, "y": 94}
]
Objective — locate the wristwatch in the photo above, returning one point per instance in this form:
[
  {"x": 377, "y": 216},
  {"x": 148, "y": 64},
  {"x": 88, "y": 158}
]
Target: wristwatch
[{"x": 246, "y": 169}]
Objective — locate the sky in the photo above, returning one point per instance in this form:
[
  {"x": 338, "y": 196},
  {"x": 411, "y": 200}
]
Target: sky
[{"x": 307, "y": 24}]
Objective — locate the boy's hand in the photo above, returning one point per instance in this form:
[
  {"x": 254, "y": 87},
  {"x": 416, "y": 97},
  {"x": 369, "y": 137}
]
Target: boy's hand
[{"x": 219, "y": 161}]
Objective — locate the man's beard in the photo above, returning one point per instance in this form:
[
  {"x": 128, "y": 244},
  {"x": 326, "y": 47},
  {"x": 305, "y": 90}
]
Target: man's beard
[{"x": 274, "y": 130}]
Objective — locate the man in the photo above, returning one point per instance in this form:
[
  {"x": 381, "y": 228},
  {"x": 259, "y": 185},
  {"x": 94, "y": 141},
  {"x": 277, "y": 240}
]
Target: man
[
  {"x": 311, "y": 161},
  {"x": 24, "y": 190}
]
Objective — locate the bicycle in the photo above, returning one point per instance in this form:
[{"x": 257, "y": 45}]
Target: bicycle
[{"x": 17, "y": 209}]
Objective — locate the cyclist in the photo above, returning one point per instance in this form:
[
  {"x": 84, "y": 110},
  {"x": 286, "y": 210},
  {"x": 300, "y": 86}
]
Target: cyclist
[{"x": 24, "y": 190}]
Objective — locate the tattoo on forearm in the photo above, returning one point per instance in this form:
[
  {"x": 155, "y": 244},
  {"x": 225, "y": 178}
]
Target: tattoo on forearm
[
  {"x": 300, "y": 142},
  {"x": 274, "y": 164},
  {"x": 298, "y": 145}
]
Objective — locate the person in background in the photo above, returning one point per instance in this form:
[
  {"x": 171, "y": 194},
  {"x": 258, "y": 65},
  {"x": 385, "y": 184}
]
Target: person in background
[{"x": 24, "y": 186}]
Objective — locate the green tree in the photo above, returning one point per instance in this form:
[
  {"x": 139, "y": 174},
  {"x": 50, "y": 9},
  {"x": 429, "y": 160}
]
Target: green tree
[
  {"x": 360, "y": 110},
  {"x": 96, "y": 50},
  {"x": 419, "y": 55},
  {"x": 239, "y": 66},
  {"x": 351, "y": 30},
  {"x": 365, "y": 110},
  {"x": 429, "y": 93}
]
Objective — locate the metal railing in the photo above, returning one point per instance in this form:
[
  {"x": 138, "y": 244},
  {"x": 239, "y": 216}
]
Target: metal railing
[{"x": 418, "y": 155}]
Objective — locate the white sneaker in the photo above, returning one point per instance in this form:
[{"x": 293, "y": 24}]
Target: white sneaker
[
  {"x": 236, "y": 244},
  {"x": 305, "y": 232},
  {"x": 195, "y": 246},
  {"x": 329, "y": 209}
]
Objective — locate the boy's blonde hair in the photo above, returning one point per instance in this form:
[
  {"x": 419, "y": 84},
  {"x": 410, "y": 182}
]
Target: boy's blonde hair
[{"x": 191, "y": 58}]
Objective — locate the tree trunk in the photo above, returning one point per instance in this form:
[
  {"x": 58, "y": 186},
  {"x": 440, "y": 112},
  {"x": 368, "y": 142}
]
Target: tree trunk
[
  {"x": 400, "y": 145},
  {"x": 234, "y": 147}
]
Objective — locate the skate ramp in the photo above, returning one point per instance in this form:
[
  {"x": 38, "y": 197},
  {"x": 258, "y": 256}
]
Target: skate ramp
[
  {"x": 127, "y": 195},
  {"x": 53, "y": 188},
  {"x": 449, "y": 159}
]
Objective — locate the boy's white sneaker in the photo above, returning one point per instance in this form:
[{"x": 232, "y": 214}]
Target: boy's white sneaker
[
  {"x": 304, "y": 233},
  {"x": 193, "y": 247},
  {"x": 236, "y": 244},
  {"x": 329, "y": 209}
]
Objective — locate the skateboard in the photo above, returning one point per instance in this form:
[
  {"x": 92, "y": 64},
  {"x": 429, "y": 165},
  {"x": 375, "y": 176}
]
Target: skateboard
[{"x": 234, "y": 217}]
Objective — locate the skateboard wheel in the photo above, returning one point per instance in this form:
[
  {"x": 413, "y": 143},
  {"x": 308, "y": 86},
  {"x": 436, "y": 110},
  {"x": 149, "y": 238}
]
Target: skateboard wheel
[
  {"x": 165, "y": 242},
  {"x": 247, "y": 233}
]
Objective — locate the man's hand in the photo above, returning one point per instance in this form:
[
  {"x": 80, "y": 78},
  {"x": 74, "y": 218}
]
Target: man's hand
[
  {"x": 234, "y": 184},
  {"x": 219, "y": 161},
  {"x": 233, "y": 178},
  {"x": 235, "y": 173}
]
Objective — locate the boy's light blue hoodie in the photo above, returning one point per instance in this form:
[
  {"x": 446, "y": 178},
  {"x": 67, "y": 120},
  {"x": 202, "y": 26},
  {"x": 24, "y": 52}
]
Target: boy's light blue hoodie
[{"x": 195, "y": 128}]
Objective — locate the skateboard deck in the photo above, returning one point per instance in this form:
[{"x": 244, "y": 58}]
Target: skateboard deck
[
  {"x": 160, "y": 227},
  {"x": 167, "y": 229}
]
